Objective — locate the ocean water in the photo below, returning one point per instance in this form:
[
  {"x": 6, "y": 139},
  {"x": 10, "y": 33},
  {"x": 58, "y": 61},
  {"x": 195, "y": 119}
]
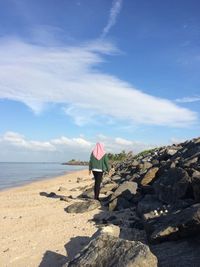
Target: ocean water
[{"x": 17, "y": 174}]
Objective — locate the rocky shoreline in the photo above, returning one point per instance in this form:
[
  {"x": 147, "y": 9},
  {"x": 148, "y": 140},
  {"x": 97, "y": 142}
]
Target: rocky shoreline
[{"x": 154, "y": 201}]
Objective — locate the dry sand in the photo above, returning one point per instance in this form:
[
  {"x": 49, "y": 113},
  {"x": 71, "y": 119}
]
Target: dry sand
[{"x": 35, "y": 230}]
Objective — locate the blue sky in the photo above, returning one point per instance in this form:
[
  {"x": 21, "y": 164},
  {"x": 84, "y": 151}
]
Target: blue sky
[{"x": 72, "y": 73}]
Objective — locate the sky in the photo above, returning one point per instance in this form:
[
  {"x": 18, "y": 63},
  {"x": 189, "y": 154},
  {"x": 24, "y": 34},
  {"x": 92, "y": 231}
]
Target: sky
[{"x": 76, "y": 72}]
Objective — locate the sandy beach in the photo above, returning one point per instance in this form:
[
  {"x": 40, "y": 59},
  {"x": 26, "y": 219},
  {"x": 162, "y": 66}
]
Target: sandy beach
[{"x": 36, "y": 230}]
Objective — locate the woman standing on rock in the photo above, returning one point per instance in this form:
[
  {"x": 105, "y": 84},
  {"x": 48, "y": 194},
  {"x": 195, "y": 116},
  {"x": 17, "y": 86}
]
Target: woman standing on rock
[{"x": 98, "y": 165}]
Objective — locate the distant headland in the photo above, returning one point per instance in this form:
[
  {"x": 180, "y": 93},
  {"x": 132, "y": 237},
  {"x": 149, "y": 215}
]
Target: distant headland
[{"x": 76, "y": 163}]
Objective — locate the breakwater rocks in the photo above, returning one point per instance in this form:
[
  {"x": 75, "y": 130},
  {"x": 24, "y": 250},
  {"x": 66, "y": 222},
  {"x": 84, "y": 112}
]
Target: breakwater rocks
[{"x": 154, "y": 198}]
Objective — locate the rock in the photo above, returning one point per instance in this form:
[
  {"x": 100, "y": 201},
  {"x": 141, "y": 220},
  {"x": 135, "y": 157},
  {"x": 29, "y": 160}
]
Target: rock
[
  {"x": 116, "y": 178},
  {"x": 122, "y": 196},
  {"x": 171, "y": 151},
  {"x": 134, "y": 163},
  {"x": 144, "y": 166},
  {"x": 81, "y": 207},
  {"x": 172, "y": 185},
  {"x": 148, "y": 204},
  {"x": 110, "y": 251},
  {"x": 126, "y": 190},
  {"x": 133, "y": 234},
  {"x": 125, "y": 218},
  {"x": 180, "y": 253},
  {"x": 88, "y": 193},
  {"x": 149, "y": 176},
  {"x": 196, "y": 185},
  {"x": 52, "y": 194},
  {"x": 185, "y": 223},
  {"x": 119, "y": 203},
  {"x": 106, "y": 180},
  {"x": 108, "y": 187},
  {"x": 112, "y": 230},
  {"x": 65, "y": 198}
]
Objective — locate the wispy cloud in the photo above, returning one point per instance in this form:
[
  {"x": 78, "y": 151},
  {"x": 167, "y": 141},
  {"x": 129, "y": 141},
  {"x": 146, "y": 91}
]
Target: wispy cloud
[
  {"x": 115, "y": 10},
  {"x": 69, "y": 76},
  {"x": 189, "y": 99}
]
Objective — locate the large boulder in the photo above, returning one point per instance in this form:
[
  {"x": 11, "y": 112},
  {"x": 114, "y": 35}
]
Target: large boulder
[
  {"x": 126, "y": 190},
  {"x": 88, "y": 193},
  {"x": 185, "y": 223},
  {"x": 122, "y": 196},
  {"x": 181, "y": 253},
  {"x": 172, "y": 185},
  {"x": 110, "y": 251}
]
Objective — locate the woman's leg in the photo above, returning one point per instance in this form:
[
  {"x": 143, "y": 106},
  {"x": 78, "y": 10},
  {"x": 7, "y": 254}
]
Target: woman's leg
[{"x": 98, "y": 178}]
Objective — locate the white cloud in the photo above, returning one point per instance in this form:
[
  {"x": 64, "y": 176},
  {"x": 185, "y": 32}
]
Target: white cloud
[
  {"x": 19, "y": 140},
  {"x": 115, "y": 9},
  {"x": 37, "y": 75},
  {"x": 62, "y": 148},
  {"x": 122, "y": 141},
  {"x": 189, "y": 99},
  {"x": 75, "y": 142}
]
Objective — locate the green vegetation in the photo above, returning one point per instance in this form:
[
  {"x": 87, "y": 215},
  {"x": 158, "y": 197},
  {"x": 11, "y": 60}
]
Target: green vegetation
[
  {"x": 145, "y": 152},
  {"x": 117, "y": 157}
]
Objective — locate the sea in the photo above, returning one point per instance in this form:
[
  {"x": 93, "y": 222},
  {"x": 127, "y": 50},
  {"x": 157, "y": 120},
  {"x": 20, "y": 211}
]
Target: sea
[{"x": 14, "y": 174}]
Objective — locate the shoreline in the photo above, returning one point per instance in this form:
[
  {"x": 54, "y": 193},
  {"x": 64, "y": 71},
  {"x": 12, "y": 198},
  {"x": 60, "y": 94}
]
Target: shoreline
[
  {"x": 35, "y": 180},
  {"x": 35, "y": 230}
]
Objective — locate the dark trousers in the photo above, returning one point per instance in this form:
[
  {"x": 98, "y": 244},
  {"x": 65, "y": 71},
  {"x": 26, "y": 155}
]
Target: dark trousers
[{"x": 98, "y": 179}]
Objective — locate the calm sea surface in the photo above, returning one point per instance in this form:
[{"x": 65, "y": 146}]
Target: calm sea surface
[{"x": 16, "y": 174}]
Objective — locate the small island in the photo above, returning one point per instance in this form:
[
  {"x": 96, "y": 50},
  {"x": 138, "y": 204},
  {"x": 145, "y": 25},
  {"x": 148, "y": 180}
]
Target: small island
[{"x": 76, "y": 163}]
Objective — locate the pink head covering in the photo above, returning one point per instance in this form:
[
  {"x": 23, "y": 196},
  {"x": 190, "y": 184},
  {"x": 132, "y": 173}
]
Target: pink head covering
[{"x": 99, "y": 151}]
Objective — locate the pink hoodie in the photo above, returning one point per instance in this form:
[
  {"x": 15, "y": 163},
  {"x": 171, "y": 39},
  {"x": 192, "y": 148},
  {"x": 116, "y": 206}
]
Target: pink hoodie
[{"x": 99, "y": 151}]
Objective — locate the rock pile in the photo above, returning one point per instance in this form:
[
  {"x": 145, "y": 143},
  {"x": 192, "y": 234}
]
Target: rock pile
[{"x": 154, "y": 198}]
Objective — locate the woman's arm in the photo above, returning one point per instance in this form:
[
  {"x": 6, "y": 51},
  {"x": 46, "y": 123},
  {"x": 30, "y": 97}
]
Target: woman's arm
[{"x": 106, "y": 162}]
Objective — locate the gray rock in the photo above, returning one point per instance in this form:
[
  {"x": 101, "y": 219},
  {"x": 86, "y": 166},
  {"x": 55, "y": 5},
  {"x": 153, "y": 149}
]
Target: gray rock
[
  {"x": 119, "y": 203},
  {"x": 133, "y": 234},
  {"x": 196, "y": 185},
  {"x": 81, "y": 207},
  {"x": 134, "y": 163},
  {"x": 180, "y": 253},
  {"x": 122, "y": 196},
  {"x": 109, "y": 251},
  {"x": 116, "y": 178},
  {"x": 171, "y": 151},
  {"x": 108, "y": 187},
  {"x": 126, "y": 218},
  {"x": 172, "y": 185},
  {"x": 65, "y": 198},
  {"x": 148, "y": 204},
  {"x": 111, "y": 229},
  {"x": 185, "y": 223},
  {"x": 126, "y": 190},
  {"x": 88, "y": 193},
  {"x": 144, "y": 166}
]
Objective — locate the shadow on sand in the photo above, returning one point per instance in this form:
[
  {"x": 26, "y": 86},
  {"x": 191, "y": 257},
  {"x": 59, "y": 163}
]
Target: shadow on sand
[
  {"x": 50, "y": 195},
  {"x": 53, "y": 259}
]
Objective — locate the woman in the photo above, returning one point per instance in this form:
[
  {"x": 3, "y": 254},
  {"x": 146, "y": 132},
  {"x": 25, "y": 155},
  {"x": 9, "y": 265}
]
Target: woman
[{"x": 98, "y": 165}]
